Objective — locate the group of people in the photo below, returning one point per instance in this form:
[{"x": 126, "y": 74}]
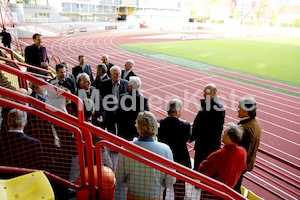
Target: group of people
[{"x": 223, "y": 153}]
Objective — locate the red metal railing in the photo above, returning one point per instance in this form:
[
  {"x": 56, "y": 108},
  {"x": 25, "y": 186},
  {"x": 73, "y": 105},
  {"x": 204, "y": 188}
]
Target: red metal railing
[{"x": 138, "y": 153}]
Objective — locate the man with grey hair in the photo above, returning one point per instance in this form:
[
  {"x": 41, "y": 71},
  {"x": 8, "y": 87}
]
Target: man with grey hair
[
  {"x": 84, "y": 82},
  {"x": 131, "y": 104},
  {"x": 208, "y": 125},
  {"x": 252, "y": 130},
  {"x": 16, "y": 148},
  {"x": 127, "y": 72},
  {"x": 111, "y": 90},
  {"x": 101, "y": 75},
  {"x": 5, "y": 110},
  {"x": 227, "y": 164},
  {"x": 85, "y": 90},
  {"x": 175, "y": 133}
]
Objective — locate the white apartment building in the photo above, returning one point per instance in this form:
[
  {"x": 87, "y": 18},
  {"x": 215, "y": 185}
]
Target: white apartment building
[{"x": 144, "y": 11}]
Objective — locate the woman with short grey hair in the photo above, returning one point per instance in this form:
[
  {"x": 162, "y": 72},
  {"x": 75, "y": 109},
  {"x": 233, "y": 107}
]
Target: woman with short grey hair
[{"x": 144, "y": 182}]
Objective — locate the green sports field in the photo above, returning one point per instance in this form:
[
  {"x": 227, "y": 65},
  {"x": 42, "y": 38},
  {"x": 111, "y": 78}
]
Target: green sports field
[{"x": 272, "y": 58}]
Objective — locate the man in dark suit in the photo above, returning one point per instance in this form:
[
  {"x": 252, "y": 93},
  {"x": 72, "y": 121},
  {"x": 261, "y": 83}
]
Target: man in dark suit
[
  {"x": 208, "y": 125},
  {"x": 101, "y": 75},
  {"x": 17, "y": 149},
  {"x": 175, "y": 133},
  {"x": 62, "y": 80},
  {"x": 131, "y": 104},
  {"x": 36, "y": 55},
  {"x": 86, "y": 91},
  {"x": 105, "y": 60},
  {"x": 111, "y": 90},
  {"x": 82, "y": 67},
  {"x": 127, "y": 72},
  {"x": 6, "y": 38}
]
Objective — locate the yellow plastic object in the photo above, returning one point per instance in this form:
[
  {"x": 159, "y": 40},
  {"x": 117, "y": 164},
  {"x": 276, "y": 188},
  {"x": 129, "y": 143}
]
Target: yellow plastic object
[
  {"x": 33, "y": 186},
  {"x": 244, "y": 191},
  {"x": 252, "y": 196},
  {"x": 249, "y": 194}
]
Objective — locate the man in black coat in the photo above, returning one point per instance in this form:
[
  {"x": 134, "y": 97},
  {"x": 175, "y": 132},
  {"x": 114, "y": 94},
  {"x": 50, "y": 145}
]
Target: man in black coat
[
  {"x": 82, "y": 67},
  {"x": 131, "y": 104},
  {"x": 6, "y": 38},
  {"x": 208, "y": 125},
  {"x": 18, "y": 149},
  {"x": 101, "y": 75},
  {"x": 111, "y": 90},
  {"x": 86, "y": 91},
  {"x": 127, "y": 72},
  {"x": 36, "y": 55},
  {"x": 175, "y": 133},
  {"x": 109, "y": 65},
  {"x": 62, "y": 80}
]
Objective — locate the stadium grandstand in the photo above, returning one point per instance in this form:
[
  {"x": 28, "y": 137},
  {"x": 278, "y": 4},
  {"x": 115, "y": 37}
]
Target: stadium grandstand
[{"x": 74, "y": 166}]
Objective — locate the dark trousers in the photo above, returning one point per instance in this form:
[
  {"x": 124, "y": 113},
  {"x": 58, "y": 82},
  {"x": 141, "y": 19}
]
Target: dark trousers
[
  {"x": 8, "y": 45},
  {"x": 238, "y": 185},
  {"x": 179, "y": 189},
  {"x": 110, "y": 122},
  {"x": 199, "y": 157}
]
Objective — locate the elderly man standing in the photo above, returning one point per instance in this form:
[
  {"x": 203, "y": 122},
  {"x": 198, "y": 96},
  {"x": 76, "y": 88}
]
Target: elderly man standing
[
  {"x": 175, "y": 133},
  {"x": 127, "y": 72},
  {"x": 208, "y": 125},
  {"x": 227, "y": 164},
  {"x": 131, "y": 104},
  {"x": 252, "y": 130},
  {"x": 17, "y": 149},
  {"x": 105, "y": 60},
  {"x": 111, "y": 90},
  {"x": 85, "y": 90}
]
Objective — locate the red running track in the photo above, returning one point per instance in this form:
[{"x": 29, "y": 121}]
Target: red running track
[{"x": 279, "y": 113}]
